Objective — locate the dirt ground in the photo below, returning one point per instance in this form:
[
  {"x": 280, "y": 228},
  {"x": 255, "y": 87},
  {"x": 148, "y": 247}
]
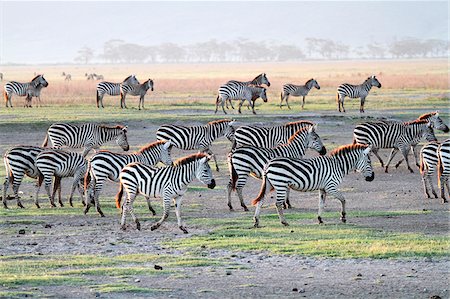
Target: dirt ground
[{"x": 262, "y": 274}]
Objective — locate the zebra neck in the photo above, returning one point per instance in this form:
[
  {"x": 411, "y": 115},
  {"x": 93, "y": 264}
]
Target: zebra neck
[
  {"x": 150, "y": 156},
  {"x": 367, "y": 85},
  {"x": 415, "y": 131},
  {"x": 108, "y": 134},
  {"x": 296, "y": 146},
  {"x": 345, "y": 163}
]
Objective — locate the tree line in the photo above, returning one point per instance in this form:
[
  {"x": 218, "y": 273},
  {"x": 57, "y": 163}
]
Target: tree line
[{"x": 243, "y": 50}]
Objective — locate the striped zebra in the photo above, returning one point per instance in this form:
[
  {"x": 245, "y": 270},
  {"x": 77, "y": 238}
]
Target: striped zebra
[
  {"x": 19, "y": 161},
  {"x": 428, "y": 165},
  {"x": 250, "y": 160},
  {"x": 89, "y": 135},
  {"x": 297, "y": 91},
  {"x": 355, "y": 91},
  {"x": 169, "y": 183},
  {"x": 323, "y": 173},
  {"x": 257, "y": 81},
  {"x": 197, "y": 137},
  {"x": 67, "y": 77},
  {"x": 112, "y": 89},
  {"x": 135, "y": 90},
  {"x": 444, "y": 168},
  {"x": 61, "y": 164},
  {"x": 106, "y": 165},
  {"x": 242, "y": 93},
  {"x": 29, "y": 89},
  {"x": 268, "y": 137},
  {"x": 396, "y": 135}
]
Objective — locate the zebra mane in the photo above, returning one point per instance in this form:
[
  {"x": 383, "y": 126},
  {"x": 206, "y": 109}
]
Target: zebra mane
[
  {"x": 128, "y": 77},
  {"x": 345, "y": 149},
  {"x": 416, "y": 121},
  {"x": 112, "y": 127},
  {"x": 426, "y": 115},
  {"x": 298, "y": 122},
  {"x": 36, "y": 77},
  {"x": 312, "y": 79},
  {"x": 151, "y": 145},
  {"x": 189, "y": 159},
  {"x": 219, "y": 121},
  {"x": 296, "y": 134}
]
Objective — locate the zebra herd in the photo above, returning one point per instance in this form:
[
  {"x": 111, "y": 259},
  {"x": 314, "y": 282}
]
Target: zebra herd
[
  {"x": 233, "y": 90},
  {"x": 274, "y": 154}
]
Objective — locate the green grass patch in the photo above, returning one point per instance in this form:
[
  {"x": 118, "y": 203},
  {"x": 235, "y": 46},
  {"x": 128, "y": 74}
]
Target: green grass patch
[{"x": 125, "y": 288}]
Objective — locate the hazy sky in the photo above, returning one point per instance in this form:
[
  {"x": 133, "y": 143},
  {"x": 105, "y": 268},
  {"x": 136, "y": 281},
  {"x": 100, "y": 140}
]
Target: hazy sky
[{"x": 37, "y": 32}]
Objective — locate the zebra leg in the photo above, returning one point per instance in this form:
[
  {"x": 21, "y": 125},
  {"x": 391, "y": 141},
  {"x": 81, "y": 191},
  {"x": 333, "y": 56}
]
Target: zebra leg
[
  {"x": 178, "y": 213},
  {"x": 15, "y": 187},
  {"x": 86, "y": 150},
  {"x": 391, "y": 156},
  {"x": 38, "y": 187},
  {"x": 375, "y": 152},
  {"x": 229, "y": 191},
  {"x": 287, "y": 203},
  {"x": 240, "y": 105},
  {"x": 416, "y": 154},
  {"x": 209, "y": 152},
  {"x": 303, "y": 103},
  {"x": 323, "y": 196},
  {"x": 241, "y": 197},
  {"x": 361, "y": 107},
  {"x": 57, "y": 188},
  {"x": 405, "y": 152},
  {"x": 231, "y": 104},
  {"x": 223, "y": 106},
  {"x": 166, "y": 202},
  {"x": 75, "y": 183},
  {"x": 281, "y": 198},
  {"x": 149, "y": 204},
  {"x": 257, "y": 213},
  {"x": 444, "y": 184},
  {"x": 5, "y": 188},
  {"x": 97, "y": 202},
  {"x": 253, "y": 106},
  {"x": 47, "y": 184},
  {"x": 337, "y": 194}
]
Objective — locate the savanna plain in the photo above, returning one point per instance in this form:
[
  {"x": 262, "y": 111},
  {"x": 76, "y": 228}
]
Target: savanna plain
[{"x": 395, "y": 243}]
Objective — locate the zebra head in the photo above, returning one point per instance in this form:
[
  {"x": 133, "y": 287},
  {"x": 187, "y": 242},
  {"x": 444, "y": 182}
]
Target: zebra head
[
  {"x": 314, "y": 141},
  {"x": 428, "y": 133},
  {"x": 263, "y": 95},
  {"x": 204, "y": 172},
  {"x": 374, "y": 81},
  {"x": 150, "y": 84},
  {"x": 122, "y": 139},
  {"x": 437, "y": 122},
  {"x": 312, "y": 83},
  {"x": 165, "y": 153},
  {"x": 39, "y": 80},
  {"x": 263, "y": 79},
  {"x": 364, "y": 165}
]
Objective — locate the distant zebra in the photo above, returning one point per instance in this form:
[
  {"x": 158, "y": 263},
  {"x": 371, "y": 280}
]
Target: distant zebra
[
  {"x": 355, "y": 91},
  {"x": 395, "y": 135},
  {"x": 169, "y": 182},
  {"x": 258, "y": 81},
  {"x": 90, "y": 76},
  {"x": 197, "y": 137},
  {"x": 250, "y": 160},
  {"x": 19, "y": 161},
  {"x": 89, "y": 135},
  {"x": 106, "y": 165},
  {"x": 112, "y": 89},
  {"x": 268, "y": 137},
  {"x": 67, "y": 77},
  {"x": 1, "y": 76},
  {"x": 428, "y": 165},
  {"x": 323, "y": 173},
  {"x": 99, "y": 77},
  {"x": 61, "y": 164},
  {"x": 29, "y": 89},
  {"x": 444, "y": 168},
  {"x": 297, "y": 91},
  {"x": 239, "y": 92},
  {"x": 135, "y": 90}
]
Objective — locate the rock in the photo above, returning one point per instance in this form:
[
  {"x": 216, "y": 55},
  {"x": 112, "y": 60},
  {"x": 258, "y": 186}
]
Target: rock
[
  {"x": 158, "y": 267},
  {"x": 21, "y": 232}
]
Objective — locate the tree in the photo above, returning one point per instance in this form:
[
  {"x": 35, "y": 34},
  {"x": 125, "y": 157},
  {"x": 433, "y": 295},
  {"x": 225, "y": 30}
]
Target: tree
[{"x": 85, "y": 55}]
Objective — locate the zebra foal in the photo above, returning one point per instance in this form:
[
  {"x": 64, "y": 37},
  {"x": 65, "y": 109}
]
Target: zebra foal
[
  {"x": 112, "y": 89},
  {"x": 297, "y": 91},
  {"x": 356, "y": 91},
  {"x": 169, "y": 182},
  {"x": 28, "y": 90},
  {"x": 323, "y": 173},
  {"x": 89, "y": 135},
  {"x": 106, "y": 165},
  {"x": 135, "y": 90}
]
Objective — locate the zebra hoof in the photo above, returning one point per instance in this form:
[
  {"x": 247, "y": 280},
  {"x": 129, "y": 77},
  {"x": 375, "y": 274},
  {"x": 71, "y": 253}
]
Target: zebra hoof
[
  {"x": 154, "y": 227},
  {"x": 184, "y": 229},
  {"x": 138, "y": 225},
  {"x": 411, "y": 171},
  {"x": 320, "y": 219},
  {"x": 284, "y": 223},
  {"x": 19, "y": 204},
  {"x": 444, "y": 200},
  {"x": 37, "y": 205},
  {"x": 53, "y": 205},
  {"x": 256, "y": 224},
  {"x": 245, "y": 208},
  {"x": 343, "y": 220},
  {"x": 5, "y": 206},
  {"x": 101, "y": 213},
  {"x": 123, "y": 227}
]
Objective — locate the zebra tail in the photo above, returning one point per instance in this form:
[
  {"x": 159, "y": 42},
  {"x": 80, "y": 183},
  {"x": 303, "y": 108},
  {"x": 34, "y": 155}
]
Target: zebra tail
[
  {"x": 337, "y": 98},
  {"x": 45, "y": 140},
  {"x": 5, "y": 96},
  {"x": 233, "y": 173},
  {"x": 98, "y": 98},
  {"x": 440, "y": 170},
  {"x": 262, "y": 192},
  {"x": 422, "y": 166},
  {"x": 119, "y": 196},
  {"x": 87, "y": 177}
]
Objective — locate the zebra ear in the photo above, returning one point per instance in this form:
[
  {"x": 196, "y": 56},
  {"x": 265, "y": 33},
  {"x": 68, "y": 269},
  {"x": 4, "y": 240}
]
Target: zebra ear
[
  {"x": 204, "y": 160},
  {"x": 437, "y": 113},
  {"x": 312, "y": 128},
  {"x": 167, "y": 144},
  {"x": 367, "y": 150},
  {"x": 232, "y": 122},
  {"x": 125, "y": 129}
]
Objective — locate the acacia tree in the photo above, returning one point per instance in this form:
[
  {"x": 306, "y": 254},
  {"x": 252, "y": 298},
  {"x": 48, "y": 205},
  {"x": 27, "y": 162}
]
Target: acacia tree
[{"x": 85, "y": 55}]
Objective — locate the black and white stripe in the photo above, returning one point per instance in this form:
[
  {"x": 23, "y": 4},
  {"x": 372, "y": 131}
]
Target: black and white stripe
[
  {"x": 257, "y": 81},
  {"x": 197, "y": 137},
  {"x": 323, "y": 173},
  {"x": 90, "y": 136},
  {"x": 106, "y": 165},
  {"x": 242, "y": 93},
  {"x": 19, "y": 161},
  {"x": 297, "y": 91},
  {"x": 444, "y": 168},
  {"x": 135, "y": 90},
  {"x": 268, "y": 137},
  {"x": 250, "y": 160},
  {"x": 395, "y": 135},
  {"x": 428, "y": 165},
  {"x": 29, "y": 89},
  {"x": 355, "y": 91},
  {"x": 61, "y": 164},
  {"x": 112, "y": 89},
  {"x": 169, "y": 182}
]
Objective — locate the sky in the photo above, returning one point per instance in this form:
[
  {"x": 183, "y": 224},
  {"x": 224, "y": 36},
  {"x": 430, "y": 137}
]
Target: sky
[{"x": 53, "y": 32}]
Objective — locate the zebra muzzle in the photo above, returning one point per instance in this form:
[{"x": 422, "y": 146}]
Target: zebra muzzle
[
  {"x": 212, "y": 185},
  {"x": 323, "y": 151},
  {"x": 370, "y": 178}
]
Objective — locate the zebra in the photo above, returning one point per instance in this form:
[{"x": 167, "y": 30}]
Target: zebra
[
  {"x": 428, "y": 165},
  {"x": 89, "y": 135},
  {"x": 268, "y": 137},
  {"x": 355, "y": 91},
  {"x": 323, "y": 173},
  {"x": 444, "y": 168},
  {"x": 1, "y": 76},
  {"x": 242, "y": 93},
  {"x": 112, "y": 89},
  {"x": 297, "y": 91},
  {"x": 67, "y": 77},
  {"x": 60, "y": 164},
  {"x": 169, "y": 183},
  {"x": 251, "y": 159},
  {"x": 28, "y": 89},
  {"x": 90, "y": 76},
  {"x": 438, "y": 124},
  {"x": 135, "y": 90},
  {"x": 19, "y": 161},
  {"x": 395, "y": 135},
  {"x": 197, "y": 137},
  {"x": 99, "y": 77},
  {"x": 107, "y": 165}
]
